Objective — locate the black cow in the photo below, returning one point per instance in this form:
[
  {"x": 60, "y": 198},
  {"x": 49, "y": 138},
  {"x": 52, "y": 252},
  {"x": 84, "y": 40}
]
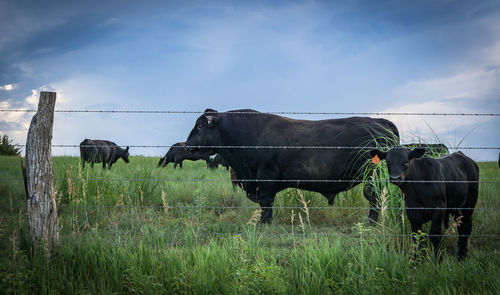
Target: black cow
[
  {"x": 178, "y": 153},
  {"x": 266, "y": 171},
  {"x": 449, "y": 187},
  {"x": 234, "y": 179},
  {"x": 101, "y": 151},
  {"x": 434, "y": 150},
  {"x": 211, "y": 163},
  {"x": 218, "y": 160}
]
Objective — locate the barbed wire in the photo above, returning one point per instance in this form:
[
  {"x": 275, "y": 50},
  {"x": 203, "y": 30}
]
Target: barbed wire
[
  {"x": 298, "y": 234},
  {"x": 262, "y": 180},
  {"x": 259, "y": 147},
  {"x": 197, "y": 207},
  {"x": 258, "y": 113}
]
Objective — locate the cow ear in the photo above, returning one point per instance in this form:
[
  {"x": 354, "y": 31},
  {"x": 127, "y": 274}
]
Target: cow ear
[
  {"x": 416, "y": 153},
  {"x": 212, "y": 121},
  {"x": 210, "y": 111},
  {"x": 378, "y": 153},
  {"x": 126, "y": 150}
]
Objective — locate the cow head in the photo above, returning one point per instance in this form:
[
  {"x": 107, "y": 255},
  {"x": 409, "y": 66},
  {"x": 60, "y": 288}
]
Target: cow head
[
  {"x": 398, "y": 161},
  {"x": 125, "y": 155},
  {"x": 205, "y": 132}
]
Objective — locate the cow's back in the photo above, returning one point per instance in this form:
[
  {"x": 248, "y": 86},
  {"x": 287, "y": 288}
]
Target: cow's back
[
  {"x": 88, "y": 150},
  {"x": 463, "y": 174},
  {"x": 456, "y": 175},
  {"x": 106, "y": 149}
]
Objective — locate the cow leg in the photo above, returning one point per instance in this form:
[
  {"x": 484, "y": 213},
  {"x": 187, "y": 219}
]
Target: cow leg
[
  {"x": 330, "y": 197},
  {"x": 109, "y": 166},
  {"x": 374, "y": 206},
  {"x": 266, "y": 201},
  {"x": 267, "y": 210},
  {"x": 92, "y": 164},
  {"x": 464, "y": 230},
  {"x": 180, "y": 164},
  {"x": 435, "y": 232},
  {"x": 103, "y": 164}
]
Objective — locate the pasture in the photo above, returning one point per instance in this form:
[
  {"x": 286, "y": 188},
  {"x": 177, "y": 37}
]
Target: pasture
[{"x": 147, "y": 230}]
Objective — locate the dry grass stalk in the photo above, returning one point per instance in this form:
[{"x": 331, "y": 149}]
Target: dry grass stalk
[
  {"x": 305, "y": 207},
  {"x": 302, "y": 225},
  {"x": 70, "y": 182},
  {"x": 453, "y": 227},
  {"x": 255, "y": 217},
  {"x": 164, "y": 201},
  {"x": 119, "y": 202},
  {"x": 84, "y": 184},
  {"x": 142, "y": 195},
  {"x": 14, "y": 241}
]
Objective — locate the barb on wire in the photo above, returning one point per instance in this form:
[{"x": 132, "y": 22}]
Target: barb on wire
[{"x": 260, "y": 113}]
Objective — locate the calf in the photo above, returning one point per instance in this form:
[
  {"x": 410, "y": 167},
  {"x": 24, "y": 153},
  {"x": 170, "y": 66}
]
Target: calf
[
  {"x": 219, "y": 160},
  {"x": 178, "y": 153},
  {"x": 101, "y": 151},
  {"x": 449, "y": 185}
]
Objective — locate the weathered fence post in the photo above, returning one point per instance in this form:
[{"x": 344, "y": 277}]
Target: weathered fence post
[{"x": 40, "y": 200}]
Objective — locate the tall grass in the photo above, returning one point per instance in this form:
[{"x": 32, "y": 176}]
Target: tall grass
[{"x": 134, "y": 236}]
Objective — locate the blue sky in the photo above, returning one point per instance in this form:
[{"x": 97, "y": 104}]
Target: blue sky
[{"x": 312, "y": 56}]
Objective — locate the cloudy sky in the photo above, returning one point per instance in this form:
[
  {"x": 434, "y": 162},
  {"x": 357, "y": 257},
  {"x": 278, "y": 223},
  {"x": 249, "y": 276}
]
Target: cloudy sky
[{"x": 298, "y": 56}]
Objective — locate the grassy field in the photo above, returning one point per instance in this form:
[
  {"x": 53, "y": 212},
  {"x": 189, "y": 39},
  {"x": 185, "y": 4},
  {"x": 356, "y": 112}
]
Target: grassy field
[{"x": 141, "y": 229}]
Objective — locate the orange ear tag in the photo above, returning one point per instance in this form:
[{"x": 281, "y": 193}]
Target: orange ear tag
[{"x": 376, "y": 159}]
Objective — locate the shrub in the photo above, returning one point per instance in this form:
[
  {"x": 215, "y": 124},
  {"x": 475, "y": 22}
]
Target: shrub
[{"x": 7, "y": 148}]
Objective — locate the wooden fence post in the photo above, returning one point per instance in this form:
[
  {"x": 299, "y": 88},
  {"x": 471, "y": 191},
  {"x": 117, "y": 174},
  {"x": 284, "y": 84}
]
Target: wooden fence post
[{"x": 40, "y": 199}]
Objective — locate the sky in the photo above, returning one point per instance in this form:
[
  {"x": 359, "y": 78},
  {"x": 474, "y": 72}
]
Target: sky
[{"x": 272, "y": 56}]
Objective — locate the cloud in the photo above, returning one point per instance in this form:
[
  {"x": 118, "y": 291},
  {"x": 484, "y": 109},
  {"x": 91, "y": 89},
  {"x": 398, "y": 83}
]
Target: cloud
[
  {"x": 475, "y": 89},
  {"x": 8, "y": 87},
  {"x": 16, "y": 124},
  {"x": 476, "y": 84}
]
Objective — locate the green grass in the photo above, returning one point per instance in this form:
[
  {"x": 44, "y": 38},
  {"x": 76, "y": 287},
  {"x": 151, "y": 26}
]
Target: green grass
[{"x": 129, "y": 231}]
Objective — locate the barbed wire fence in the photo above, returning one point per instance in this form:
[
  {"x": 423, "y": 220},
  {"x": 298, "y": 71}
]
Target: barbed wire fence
[{"x": 263, "y": 147}]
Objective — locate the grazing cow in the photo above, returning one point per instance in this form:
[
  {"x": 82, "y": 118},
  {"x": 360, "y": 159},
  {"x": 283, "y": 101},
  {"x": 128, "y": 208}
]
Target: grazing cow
[
  {"x": 178, "y": 153},
  {"x": 449, "y": 187},
  {"x": 101, "y": 151},
  {"x": 434, "y": 150},
  {"x": 211, "y": 163},
  {"x": 266, "y": 171},
  {"x": 218, "y": 160}
]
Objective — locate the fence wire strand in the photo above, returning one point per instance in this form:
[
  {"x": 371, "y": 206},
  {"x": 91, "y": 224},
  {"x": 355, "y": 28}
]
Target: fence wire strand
[
  {"x": 187, "y": 207},
  {"x": 292, "y": 147},
  {"x": 357, "y": 181},
  {"x": 298, "y": 234},
  {"x": 260, "y": 113}
]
